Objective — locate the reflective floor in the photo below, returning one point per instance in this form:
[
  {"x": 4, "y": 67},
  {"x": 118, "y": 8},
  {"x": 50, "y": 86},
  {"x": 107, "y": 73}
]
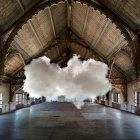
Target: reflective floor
[{"x": 63, "y": 121}]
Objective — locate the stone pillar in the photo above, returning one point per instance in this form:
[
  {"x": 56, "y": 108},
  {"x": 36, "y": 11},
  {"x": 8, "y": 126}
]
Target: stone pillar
[
  {"x": 5, "y": 90},
  {"x": 1, "y": 58},
  {"x": 138, "y": 57},
  {"x": 7, "y": 106},
  {"x": 110, "y": 98},
  {"x": 25, "y": 99},
  {"x": 107, "y": 99}
]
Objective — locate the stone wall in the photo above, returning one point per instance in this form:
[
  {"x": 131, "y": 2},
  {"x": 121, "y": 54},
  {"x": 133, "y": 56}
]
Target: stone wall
[
  {"x": 130, "y": 104},
  {"x": 131, "y": 89},
  {"x": 110, "y": 99}
]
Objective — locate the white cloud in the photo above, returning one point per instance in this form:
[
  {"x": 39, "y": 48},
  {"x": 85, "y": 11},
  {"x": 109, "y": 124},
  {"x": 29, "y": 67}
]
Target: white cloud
[{"x": 78, "y": 80}]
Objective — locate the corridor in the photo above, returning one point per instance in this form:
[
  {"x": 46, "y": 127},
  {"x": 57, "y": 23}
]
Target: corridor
[{"x": 63, "y": 121}]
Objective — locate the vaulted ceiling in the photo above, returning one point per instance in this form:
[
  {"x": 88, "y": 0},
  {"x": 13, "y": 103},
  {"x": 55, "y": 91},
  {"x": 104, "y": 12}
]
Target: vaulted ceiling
[
  {"x": 12, "y": 10},
  {"x": 127, "y": 10},
  {"x": 77, "y": 27}
]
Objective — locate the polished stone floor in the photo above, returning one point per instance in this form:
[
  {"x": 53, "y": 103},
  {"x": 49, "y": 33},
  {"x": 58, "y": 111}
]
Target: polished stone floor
[{"x": 63, "y": 121}]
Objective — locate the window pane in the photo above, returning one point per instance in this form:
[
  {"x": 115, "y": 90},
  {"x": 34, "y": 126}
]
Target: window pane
[
  {"x": 19, "y": 98},
  {"x": 116, "y": 97}
]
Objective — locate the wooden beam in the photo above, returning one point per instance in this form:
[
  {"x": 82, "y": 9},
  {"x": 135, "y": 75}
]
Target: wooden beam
[
  {"x": 58, "y": 56},
  {"x": 52, "y": 22},
  {"x": 17, "y": 70},
  {"x": 120, "y": 70},
  {"x": 85, "y": 22},
  {"x": 35, "y": 33},
  {"x": 68, "y": 11},
  {"x": 22, "y": 59},
  {"x": 10, "y": 77},
  {"x": 118, "y": 81},
  {"x": 68, "y": 57},
  {"x": 110, "y": 68},
  {"x": 116, "y": 50},
  {"x": 82, "y": 43},
  {"x": 68, "y": 40},
  {"x": 115, "y": 78},
  {"x": 21, "y": 5}
]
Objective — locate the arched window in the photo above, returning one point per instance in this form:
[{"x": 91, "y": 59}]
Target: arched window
[
  {"x": 137, "y": 98},
  {"x": 116, "y": 97},
  {"x": 19, "y": 98},
  {"x": 0, "y": 100}
]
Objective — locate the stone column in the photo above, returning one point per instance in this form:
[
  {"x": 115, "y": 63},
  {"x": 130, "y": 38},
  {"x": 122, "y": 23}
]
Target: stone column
[
  {"x": 5, "y": 90},
  {"x": 138, "y": 56}
]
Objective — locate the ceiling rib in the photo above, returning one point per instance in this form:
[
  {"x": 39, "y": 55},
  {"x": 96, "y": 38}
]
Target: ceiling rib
[
  {"x": 22, "y": 59},
  {"x": 114, "y": 53},
  {"x": 85, "y": 23},
  {"x": 35, "y": 33},
  {"x": 52, "y": 22},
  {"x": 68, "y": 11},
  {"x": 106, "y": 27},
  {"x": 21, "y": 5},
  {"x": 19, "y": 49},
  {"x": 120, "y": 70}
]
